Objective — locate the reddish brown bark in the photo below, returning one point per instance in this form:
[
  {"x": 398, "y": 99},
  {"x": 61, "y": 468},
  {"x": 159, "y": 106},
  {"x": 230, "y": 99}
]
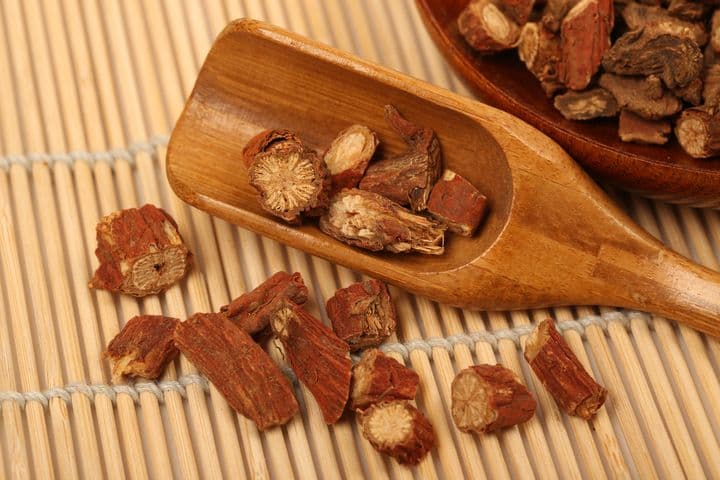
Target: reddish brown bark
[
  {"x": 252, "y": 311},
  {"x": 362, "y": 314},
  {"x": 143, "y": 347},
  {"x": 318, "y": 357},
  {"x": 489, "y": 397},
  {"x": 457, "y": 203},
  {"x": 378, "y": 378},
  {"x": 244, "y": 374},
  {"x": 584, "y": 38},
  {"x": 407, "y": 178},
  {"x": 140, "y": 251},
  {"x": 562, "y": 374}
]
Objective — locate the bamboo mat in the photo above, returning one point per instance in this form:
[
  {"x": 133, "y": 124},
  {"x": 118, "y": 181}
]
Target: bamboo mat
[{"x": 97, "y": 85}]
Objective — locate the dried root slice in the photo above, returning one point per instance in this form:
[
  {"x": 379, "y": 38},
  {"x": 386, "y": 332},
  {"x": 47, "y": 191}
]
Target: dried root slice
[
  {"x": 290, "y": 181},
  {"x": 644, "y": 96},
  {"x": 368, "y": 220},
  {"x": 639, "y": 16},
  {"x": 378, "y": 378},
  {"x": 584, "y": 38},
  {"x": 486, "y": 28},
  {"x": 677, "y": 61},
  {"x": 586, "y": 105},
  {"x": 559, "y": 370},
  {"x": 362, "y": 314},
  {"x": 554, "y": 13},
  {"x": 457, "y": 203},
  {"x": 634, "y": 128},
  {"x": 252, "y": 311},
  {"x": 407, "y": 179},
  {"x": 711, "y": 87},
  {"x": 516, "y": 10},
  {"x": 539, "y": 50},
  {"x": 244, "y": 374},
  {"x": 349, "y": 155},
  {"x": 143, "y": 347},
  {"x": 698, "y": 131},
  {"x": 270, "y": 141},
  {"x": 318, "y": 357},
  {"x": 489, "y": 397},
  {"x": 140, "y": 251},
  {"x": 399, "y": 430}
]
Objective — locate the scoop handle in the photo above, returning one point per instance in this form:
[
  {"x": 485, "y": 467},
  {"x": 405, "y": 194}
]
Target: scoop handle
[{"x": 666, "y": 283}]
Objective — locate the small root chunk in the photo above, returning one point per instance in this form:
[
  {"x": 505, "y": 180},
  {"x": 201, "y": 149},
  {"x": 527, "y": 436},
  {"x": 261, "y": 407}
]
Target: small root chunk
[
  {"x": 457, "y": 203},
  {"x": 677, "y": 61},
  {"x": 140, "y": 251},
  {"x": 290, "y": 181},
  {"x": 408, "y": 178},
  {"x": 562, "y": 374},
  {"x": 584, "y": 38},
  {"x": 644, "y": 96},
  {"x": 378, "y": 378},
  {"x": 367, "y": 220},
  {"x": 489, "y": 397},
  {"x": 349, "y": 155},
  {"x": 252, "y": 311},
  {"x": 362, "y": 314},
  {"x": 318, "y": 357},
  {"x": 398, "y": 429},
  {"x": 143, "y": 347},
  {"x": 698, "y": 131},
  {"x": 586, "y": 105},
  {"x": 486, "y": 28},
  {"x": 245, "y": 375}
]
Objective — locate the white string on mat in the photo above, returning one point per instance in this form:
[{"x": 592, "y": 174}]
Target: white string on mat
[
  {"x": 404, "y": 349},
  {"x": 107, "y": 156}
]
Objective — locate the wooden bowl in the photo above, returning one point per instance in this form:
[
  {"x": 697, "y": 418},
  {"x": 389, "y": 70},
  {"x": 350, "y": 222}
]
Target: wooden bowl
[{"x": 661, "y": 172}]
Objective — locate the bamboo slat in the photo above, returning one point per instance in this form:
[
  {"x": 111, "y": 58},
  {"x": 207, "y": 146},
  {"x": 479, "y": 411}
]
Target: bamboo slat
[{"x": 106, "y": 76}]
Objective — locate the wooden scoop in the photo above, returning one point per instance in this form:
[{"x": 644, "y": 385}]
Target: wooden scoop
[{"x": 552, "y": 236}]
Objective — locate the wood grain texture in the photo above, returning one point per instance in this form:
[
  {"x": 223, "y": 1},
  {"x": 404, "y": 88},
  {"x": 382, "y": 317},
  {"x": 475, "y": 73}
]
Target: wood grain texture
[
  {"x": 662, "y": 172},
  {"x": 552, "y": 238}
]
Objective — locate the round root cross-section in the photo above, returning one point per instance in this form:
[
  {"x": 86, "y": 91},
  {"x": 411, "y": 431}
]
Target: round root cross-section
[
  {"x": 489, "y": 397},
  {"x": 398, "y": 429},
  {"x": 486, "y": 28},
  {"x": 349, "y": 155},
  {"x": 290, "y": 182},
  {"x": 698, "y": 132},
  {"x": 140, "y": 252}
]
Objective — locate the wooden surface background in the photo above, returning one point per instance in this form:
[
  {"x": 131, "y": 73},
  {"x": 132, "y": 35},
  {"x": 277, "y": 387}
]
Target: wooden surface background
[{"x": 90, "y": 90}]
